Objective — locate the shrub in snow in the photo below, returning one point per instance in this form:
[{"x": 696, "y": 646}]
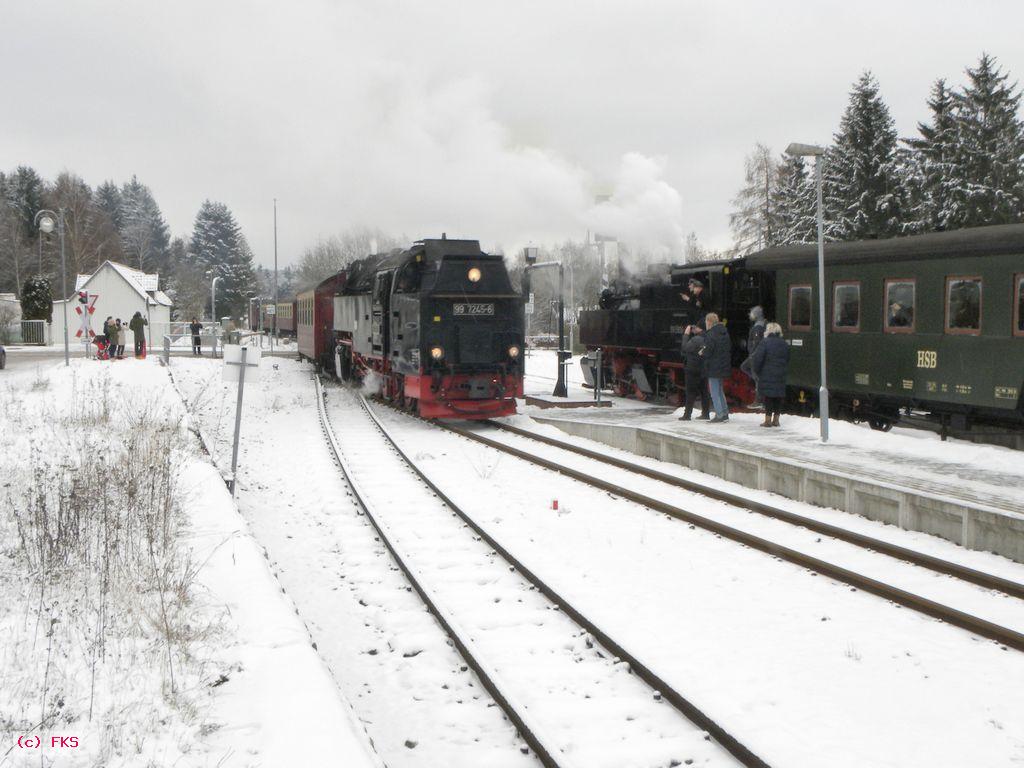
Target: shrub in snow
[{"x": 97, "y": 613}]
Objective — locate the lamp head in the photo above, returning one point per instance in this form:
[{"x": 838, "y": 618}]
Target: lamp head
[
  {"x": 46, "y": 224},
  {"x": 804, "y": 150},
  {"x": 530, "y": 253}
]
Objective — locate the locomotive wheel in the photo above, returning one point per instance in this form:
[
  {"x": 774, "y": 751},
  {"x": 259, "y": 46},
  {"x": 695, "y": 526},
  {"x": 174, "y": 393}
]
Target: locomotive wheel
[{"x": 880, "y": 424}]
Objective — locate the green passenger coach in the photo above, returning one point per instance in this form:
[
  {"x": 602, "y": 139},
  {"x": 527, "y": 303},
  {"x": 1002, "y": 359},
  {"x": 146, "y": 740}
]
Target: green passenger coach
[{"x": 932, "y": 322}]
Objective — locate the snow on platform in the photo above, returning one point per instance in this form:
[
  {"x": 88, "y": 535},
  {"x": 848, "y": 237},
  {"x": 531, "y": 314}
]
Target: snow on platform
[{"x": 551, "y": 401}]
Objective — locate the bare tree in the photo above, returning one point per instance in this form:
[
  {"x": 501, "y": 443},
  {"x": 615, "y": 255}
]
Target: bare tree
[{"x": 755, "y": 218}]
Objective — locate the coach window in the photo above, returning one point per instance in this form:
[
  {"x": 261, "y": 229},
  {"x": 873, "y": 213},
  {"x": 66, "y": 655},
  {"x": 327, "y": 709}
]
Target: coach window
[
  {"x": 899, "y": 305},
  {"x": 1018, "y": 305},
  {"x": 846, "y": 307},
  {"x": 800, "y": 307},
  {"x": 963, "y": 305}
]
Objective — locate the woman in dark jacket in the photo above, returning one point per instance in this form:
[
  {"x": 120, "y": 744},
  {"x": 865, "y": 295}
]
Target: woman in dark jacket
[{"x": 769, "y": 363}]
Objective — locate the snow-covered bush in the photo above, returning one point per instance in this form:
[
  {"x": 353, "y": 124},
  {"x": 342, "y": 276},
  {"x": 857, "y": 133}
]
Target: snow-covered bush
[{"x": 97, "y": 614}]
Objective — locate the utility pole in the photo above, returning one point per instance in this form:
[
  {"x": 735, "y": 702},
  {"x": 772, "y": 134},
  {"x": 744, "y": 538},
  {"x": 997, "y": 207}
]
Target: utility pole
[{"x": 274, "y": 334}]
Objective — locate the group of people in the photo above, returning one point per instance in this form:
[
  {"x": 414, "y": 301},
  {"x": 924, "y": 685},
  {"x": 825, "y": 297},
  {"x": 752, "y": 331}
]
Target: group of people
[
  {"x": 707, "y": 356},
  {"x": 115, "y": 334}
]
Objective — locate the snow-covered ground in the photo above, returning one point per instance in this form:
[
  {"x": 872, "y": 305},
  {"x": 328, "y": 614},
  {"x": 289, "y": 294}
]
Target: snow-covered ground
[
  {"x": 409, "y": 688},
  {"x": 137, "y": 614},
  {"x": 803, "y": 670}
]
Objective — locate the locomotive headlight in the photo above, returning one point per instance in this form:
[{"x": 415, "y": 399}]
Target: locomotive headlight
[
  {"x": 474, "y": 275},
  {"x": 513, "y": 351},
  {"x": 436, "y": 352}
]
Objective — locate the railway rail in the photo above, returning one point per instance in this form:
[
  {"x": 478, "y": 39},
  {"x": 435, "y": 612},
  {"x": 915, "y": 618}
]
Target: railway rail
[
  {"x": 533, "y": 733},
  {"x": 982, "y": 627}
]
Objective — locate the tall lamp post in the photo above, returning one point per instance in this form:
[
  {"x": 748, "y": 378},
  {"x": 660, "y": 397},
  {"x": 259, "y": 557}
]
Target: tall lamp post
[
  {"x": 274, "y": 334},
  {"x": 812, "y": 150},
  {"x": 213, "y": 298},
  {"x": 46, "y": 220},
  {"x": 531, "y": 258}
]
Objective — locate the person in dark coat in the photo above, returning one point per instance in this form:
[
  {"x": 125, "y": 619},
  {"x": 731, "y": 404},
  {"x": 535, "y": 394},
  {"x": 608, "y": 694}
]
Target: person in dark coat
[
  {"x": 696, "y": 381},
  {"x": 197, "y": 343},
  {"x": 754, "y": 336},
  {"x": 770, "y": 362},
  {"x": 717, "y": 364},
  {"x": 138, "y": 326},
  {"x": 694, "y": 298}
]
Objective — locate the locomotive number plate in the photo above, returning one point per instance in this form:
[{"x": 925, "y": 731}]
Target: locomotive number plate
[{"x": 473, "y": 309}]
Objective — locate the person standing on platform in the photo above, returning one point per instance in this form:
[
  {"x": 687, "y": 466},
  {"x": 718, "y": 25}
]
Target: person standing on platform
[
  {"x": 754, "y": 336},
  {"x": 770, "y": 363},
  {"x": 717, "y": 364},
  {"x": 696, "y": 381}
]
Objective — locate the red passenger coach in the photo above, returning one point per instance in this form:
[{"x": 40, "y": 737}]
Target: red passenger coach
[{"x": 314, "y": 321}]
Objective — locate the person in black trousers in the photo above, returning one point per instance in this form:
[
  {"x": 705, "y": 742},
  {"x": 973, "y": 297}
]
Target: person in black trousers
[
  {"x": 197, "y": 343},
  {"x": 696, "y": 381}
]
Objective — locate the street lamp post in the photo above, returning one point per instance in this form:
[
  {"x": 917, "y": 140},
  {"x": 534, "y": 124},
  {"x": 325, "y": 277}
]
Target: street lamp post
[
  {"x": 274, "y": 334},
  {"x": 45, "y": 219},
  {"x": 811, "y": 150},
  {"x": 213, "y": 299},
  {"x": 531, "y": 256}
]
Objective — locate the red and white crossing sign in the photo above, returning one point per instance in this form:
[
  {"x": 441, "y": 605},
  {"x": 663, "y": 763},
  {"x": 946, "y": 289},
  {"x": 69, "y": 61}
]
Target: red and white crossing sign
[{"x": 86, "y": 307}]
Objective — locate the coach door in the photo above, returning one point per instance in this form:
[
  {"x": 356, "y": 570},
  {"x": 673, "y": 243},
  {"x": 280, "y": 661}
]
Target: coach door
[{"x": 381, "y": 292}]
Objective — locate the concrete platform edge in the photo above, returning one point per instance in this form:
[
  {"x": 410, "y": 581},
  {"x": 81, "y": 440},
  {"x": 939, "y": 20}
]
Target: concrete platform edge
[{"x": 969, "y": 525}]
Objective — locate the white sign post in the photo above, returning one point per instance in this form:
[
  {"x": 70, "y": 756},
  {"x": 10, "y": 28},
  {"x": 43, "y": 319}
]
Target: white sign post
[{"x": 240, "y": 363}]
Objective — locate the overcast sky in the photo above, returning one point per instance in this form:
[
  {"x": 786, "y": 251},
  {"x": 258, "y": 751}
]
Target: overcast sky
[{"x": 494, "y": 120}]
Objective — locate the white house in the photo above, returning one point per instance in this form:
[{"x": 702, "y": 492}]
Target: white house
[{"x": 119, "y": 292}]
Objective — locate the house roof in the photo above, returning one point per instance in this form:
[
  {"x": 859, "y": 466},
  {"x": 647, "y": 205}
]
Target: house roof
[{"x": 146, "y": 285}]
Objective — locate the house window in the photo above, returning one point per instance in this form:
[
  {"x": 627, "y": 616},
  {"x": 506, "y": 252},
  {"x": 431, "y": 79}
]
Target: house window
[
  {"x": 963, "y": 305},
  {"x": 1018, "y": 305},
  {"x": 900, "y": 295},
  {"x": 800, "y": 307},
  {"x": 846, "y": 307}
]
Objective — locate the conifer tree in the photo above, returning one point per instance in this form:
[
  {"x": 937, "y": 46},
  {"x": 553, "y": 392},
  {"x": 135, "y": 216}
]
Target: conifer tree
[
  {"x": 863, "y": 191},
  {"x": 108, "y": 198},
  {"x": 219, "y": 248},
  {"x": 986, "y": 184},
  {"x": 144, "y": 235},
  {"x": 797, "y": 202}
]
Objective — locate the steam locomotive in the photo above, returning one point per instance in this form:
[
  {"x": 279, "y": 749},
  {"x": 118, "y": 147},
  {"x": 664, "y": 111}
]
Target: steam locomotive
[
  {"x": 437, "y": 329},
  {"x": 906, "y": 326}
]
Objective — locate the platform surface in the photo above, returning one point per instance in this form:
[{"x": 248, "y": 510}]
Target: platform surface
[{"x": 977, "y": 474}]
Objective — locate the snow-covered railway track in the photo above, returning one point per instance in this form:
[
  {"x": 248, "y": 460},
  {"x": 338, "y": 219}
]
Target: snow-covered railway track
[
  {"x": 939, "y": 565},
  {"x": 615, "y": 485},
  {"x": 568, "y": 687}
]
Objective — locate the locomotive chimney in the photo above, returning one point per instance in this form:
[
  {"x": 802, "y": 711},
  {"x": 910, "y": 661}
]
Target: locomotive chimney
[{"x": 444, "y": 235}]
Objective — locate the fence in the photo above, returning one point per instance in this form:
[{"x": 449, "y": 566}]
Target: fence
[
  {"x": 36, "y": 332},
  {"x": 212, "y": 336}
]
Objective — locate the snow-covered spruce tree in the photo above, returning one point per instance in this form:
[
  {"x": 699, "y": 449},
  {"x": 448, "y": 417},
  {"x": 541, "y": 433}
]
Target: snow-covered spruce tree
[
  {"x": 986, "y": 182},
  {"x": 219, "y": 248},
  {"x": 797, "y": 204},
  {"x": 144, "y": 235},
  {"x": 108, "y": 198},
  {"x": 755, "y": 218},
  {"x": 928, "y": 168},
  {"x": 863, "y": 191},
  {"x": 37, "y": 299}
]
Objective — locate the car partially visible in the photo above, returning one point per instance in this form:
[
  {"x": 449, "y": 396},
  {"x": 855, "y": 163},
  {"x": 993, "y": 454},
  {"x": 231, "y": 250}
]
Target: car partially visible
[{"x": 3, "y": 357}]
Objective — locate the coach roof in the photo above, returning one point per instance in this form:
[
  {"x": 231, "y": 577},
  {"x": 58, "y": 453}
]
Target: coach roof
[{"x": 976, "y": 241}]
